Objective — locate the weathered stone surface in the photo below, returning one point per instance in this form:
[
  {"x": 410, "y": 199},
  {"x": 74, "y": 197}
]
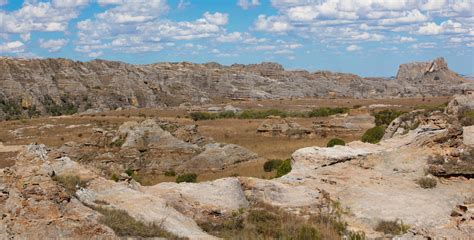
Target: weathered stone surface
[
  {"x": 277, "y": 126},
  {"x": 35, "y": 207},
  {"x": 344, "y": 124},
  {"x": 101, "y": 84},
  {"x": 468, "y": 136}
]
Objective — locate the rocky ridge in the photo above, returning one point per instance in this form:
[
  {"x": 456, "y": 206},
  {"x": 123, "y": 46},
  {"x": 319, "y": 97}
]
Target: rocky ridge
[
  {"x": 372, "y": 182},
  {"x": 61, "y": 86}
]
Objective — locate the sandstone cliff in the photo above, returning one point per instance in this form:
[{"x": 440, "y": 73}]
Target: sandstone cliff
[{"x": 61, "y": 86}]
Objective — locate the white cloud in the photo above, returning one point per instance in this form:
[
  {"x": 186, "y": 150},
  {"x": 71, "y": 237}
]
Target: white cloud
[
  {"x": 183, "y": 4},
  {"x": 110, "y": 2},
  {"x": 430, "y": 29},
  {"x": 217, "y": 18},
  {"x": 425, "y": 45},
  {"x": 407, "y": 17},
  {"x": 12, "y": 47},
  {"x": 53, "y": 45},
  {"x": 39, "y": 16},
  {"x": 431, "y": 5},
  {"x": 271, "y": 24},
  {"x": 3, "y": 2},
  {"x": 134, "y": 12},
  {"x": 231, "y": 37},
  {"x": 353, "y": 48},
  {"x": 69, "y": 3},
  {"x": 246, "y": 4},
  {"x": 403, "y": 39},
  {"x": 25, "y": 37},
  {"x": 95, "y": 54}
]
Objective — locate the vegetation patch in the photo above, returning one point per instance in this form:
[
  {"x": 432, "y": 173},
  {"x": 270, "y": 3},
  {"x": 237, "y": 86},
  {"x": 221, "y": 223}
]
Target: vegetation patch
[
  {"x": 284, "y": 168},
  {"x": 395, "y": 227},
  {"x": 70, "y": 182},
  {"x": 336, "y": 141},
  {"x": 272, "y": 165},
  {"x": 125, "y": 225},
  {"x": 170, "y": 173},
  {"x": 427, "y": 182},
  {"x": 467, "y": 118},
  {"x": 385, "y": 117},
  {"x": 373, "y": 135},
  {"x": 66, "y": 107},
  {"x": 261, "y": 114},
  {"x": 187, "y": 177},
  {"x": 262, "y": 221}
]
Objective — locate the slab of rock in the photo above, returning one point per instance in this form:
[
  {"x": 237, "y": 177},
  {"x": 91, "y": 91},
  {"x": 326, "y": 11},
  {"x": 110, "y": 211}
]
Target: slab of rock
[
  {"x": 468, "y": 136},
  {"x": 344, "y": 124}
]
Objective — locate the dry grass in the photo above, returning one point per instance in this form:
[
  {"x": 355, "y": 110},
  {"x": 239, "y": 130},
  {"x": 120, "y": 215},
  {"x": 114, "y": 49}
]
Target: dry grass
[
  {"x": 262, "y": 221},
  {"x": 126, "y": 226}
]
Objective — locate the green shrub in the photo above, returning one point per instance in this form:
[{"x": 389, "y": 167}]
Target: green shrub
[
  {"x": 385, "y": 117},
  {"x": 170, "y": 173},
  {"x": 117, "y": 143},
  {"x": 325, "y": 112},
  {"x": 284, "y": 168},
  {"x": 125, "y": 225},
  {"x": 271, "y": 165},
  {"x": 427, "y": 182},
  {"x": 198, "y": 116},
  {"x": 373, "y": 135},
  {"x": 335, "y": 141},
  {"x": 392, "y": 227},
  {"x": 187, "y": 177},
  {"x": 468, "y": 118}
]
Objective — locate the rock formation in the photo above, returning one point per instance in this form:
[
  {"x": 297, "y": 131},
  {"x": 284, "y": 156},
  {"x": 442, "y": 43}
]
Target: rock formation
[
  {"x": 146, "y": 147},
  {"x": 344, "y": 124},
  {"x": 371, "y": 182},
  {"x": 276, "y": 126},
  {"x": 61, "y": 86}
]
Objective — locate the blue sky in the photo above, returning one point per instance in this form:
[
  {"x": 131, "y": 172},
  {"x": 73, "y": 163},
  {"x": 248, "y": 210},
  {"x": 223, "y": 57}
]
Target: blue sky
[{"x": 366, "y": 37}]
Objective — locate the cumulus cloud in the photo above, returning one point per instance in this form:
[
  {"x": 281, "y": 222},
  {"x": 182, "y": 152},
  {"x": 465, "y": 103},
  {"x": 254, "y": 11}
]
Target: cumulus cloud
[
  {"x": 425, "y": 45},
  {"x": 3, "y": 2},
  {"x": 217, "y": 18},
  {"x": 353, "y": 47},
  {"x": 69, "y": 3},
  {"x": 110, "y": 2},
  {"x": 12, "y": 47},
  {"x": 134, "y": 11},
  {"x": 246, "y": 4},
  {"x": 231, "y": 37},
  {"x": 271, "y": 24},
  {"x": 41, "y": 16},
  {"x": 403, "y": 39},
  {"x": 53, "y": 45}
]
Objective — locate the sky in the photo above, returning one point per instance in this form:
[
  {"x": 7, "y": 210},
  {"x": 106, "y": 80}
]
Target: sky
[{"x": 365, "y": 37}]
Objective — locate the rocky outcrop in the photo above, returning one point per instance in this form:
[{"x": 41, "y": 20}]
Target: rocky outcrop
[
  {"x": 33, "y": 206},
  {"x": 344, "y": 124},
  {"x": 60, "y": 86},
  {"x": 146, "y": 147},
  {"x": 275, "y": 126}
]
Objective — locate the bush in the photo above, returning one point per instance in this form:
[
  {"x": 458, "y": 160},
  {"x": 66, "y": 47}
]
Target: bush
[
  {"x": 187, "y": 177},
  {"x": 335, "y": 141},
  {"x": 427, "y": 182},
  {"x": 385, "y": 117},
  {"x": 170, "y": 173},
  {"x": 70, "y": 182},
  {"x": 392, "y": 227},
  {"x": 468, "y": 118},
  {"x": 373, "y": 135},
  {"x": 325, "y": 112},
  {"x": 284, "y": 168},
  {"x": 198, "y": 116},
  {"x": 125, "y": 225},
  {"x": 271, "y": 165}
]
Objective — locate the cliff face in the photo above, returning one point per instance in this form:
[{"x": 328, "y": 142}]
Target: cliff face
[{"x": 53, "y": 84}]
